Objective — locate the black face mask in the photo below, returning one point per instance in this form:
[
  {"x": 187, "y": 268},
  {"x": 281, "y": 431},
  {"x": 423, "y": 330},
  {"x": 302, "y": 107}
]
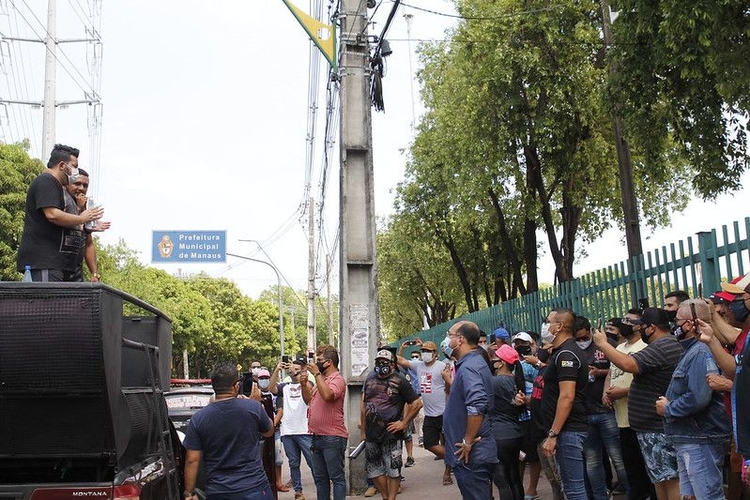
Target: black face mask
[
  {"x": 321, "y": 366},
  {"x": 672, "y": 315},
  {"x": 383, "y": 370},
  {"x": 523, "y": 350},
  {"x": 543, "y": 355},
  {"x": 626, "y": 330},
  {"x": 739, "y": 310},
  {"x": 645, "y": 336}
]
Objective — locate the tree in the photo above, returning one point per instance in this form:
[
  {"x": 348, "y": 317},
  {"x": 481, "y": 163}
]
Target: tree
[
  {"x": 17, "y": 170},
  {"x": 683, "y": 81}
]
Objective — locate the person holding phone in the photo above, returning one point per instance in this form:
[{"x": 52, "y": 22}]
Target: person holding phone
[
  {"x": 694, "y": 417},
  {"x": 326, "y": 421}
]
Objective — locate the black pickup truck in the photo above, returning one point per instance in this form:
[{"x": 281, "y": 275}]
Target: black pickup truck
[{"x": 82, "y": 407}]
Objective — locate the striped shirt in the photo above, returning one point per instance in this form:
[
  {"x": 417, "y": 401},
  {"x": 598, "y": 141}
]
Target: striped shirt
[
  {"x": 656, "y": 364},
  {"x": 326, "y": 418}
]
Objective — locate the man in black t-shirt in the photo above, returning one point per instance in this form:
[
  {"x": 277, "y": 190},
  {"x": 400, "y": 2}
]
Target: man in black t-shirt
[
  {"x": 50, "y": 241},
  {"x": 563, "y": 402},
  {"x": 383, "y": 421}
]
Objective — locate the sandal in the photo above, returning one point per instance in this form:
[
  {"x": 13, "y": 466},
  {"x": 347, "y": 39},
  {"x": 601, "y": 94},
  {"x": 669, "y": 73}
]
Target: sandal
[
  {"x": 531, "y": 497},
  {"x": 447, "y": 480}
]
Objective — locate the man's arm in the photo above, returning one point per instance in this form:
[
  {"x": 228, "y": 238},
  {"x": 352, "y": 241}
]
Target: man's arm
[
  {"x": 64, "y": 219},
  {"x": 278, "y": 416},
  {"x": 308, "y": 391},
  {"x": 562, "y": 412},
  {"x": 275, "y": 379},
  {"x": 698, "y": 395},
  {"x": 623, "y": 361},
  {"x": 192, "y": 465},
  {"x": 726, "y": 362},
  {"x": 271, "y": 424}
]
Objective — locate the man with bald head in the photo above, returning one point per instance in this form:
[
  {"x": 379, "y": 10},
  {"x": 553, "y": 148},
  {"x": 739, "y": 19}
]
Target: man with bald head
[
  {"x": 563, "y": 405},
  {"x": 469, "y": 445}
]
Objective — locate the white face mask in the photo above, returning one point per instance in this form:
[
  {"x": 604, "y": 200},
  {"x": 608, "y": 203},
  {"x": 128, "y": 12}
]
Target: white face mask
[
  {"x": 584, "y": 344},
  {"x": 427, "y": 356},
  {"x": 547, "y": 336}
]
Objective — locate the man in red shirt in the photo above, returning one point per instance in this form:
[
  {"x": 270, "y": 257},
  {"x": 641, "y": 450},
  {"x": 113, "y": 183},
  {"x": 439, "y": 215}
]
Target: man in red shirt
[{"x": 326, "y": 422}]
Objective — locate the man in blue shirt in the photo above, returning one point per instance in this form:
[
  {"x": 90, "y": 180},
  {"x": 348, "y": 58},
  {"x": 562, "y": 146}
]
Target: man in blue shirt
[
  {"x": 225, "y": 435},
  {"x": 469, "y": 445}
]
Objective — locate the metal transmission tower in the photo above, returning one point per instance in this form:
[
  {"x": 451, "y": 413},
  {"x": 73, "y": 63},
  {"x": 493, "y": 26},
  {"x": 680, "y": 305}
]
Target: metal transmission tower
[{"x": 39, "y": 31}]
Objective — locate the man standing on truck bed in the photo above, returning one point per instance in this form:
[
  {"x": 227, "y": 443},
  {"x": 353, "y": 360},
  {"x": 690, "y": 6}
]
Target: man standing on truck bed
[
  {"x": 50, "y": 239},
  {"x": 225, "y": 435}
]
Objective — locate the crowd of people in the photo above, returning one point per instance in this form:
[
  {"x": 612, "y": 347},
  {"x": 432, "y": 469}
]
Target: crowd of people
[{"x": 644, "y": 407}]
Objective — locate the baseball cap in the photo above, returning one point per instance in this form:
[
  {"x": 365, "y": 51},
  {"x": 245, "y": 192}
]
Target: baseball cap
[
  {"x": 502, "y": 333},
  {"x": 385, "y": 354},
  {"x": 721, "y": 296},
  {"x": 264, "y": 373},
  {"x": 522, "y": 336},
  {"x": 507, "y": 354},
  {"x": 428, "y": 346},
  {"x": 654, "y": 316},
  {"x": 738, "y": 285}
]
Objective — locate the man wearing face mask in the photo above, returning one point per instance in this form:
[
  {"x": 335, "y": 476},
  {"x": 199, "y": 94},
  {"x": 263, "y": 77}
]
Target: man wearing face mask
[
  {"x": 383, "y": 422},
  {"x": 672, "y": 302},
  {"x": 434, "y": 383},
  {"x": 294, "y": 432},
  {"x": 564, "y": 402},
  {"x": 652, "y": 370},
  {"x": 602, "y": 424},
  {"x": 50, "y": 241},
  {"x": 694, "y": 418},
  {"x": 326, "y": 421},
  {"x": 469, "y": 447},
  {"x": 617, "y": 387}
]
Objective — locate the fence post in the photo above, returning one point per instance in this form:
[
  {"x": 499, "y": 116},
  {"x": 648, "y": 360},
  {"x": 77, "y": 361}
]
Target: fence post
[{"x": 710, "y": 273}]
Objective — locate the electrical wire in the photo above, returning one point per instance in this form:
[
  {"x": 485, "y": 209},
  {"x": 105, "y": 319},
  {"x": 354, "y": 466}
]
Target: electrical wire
[{"x": 480, "y": 18}]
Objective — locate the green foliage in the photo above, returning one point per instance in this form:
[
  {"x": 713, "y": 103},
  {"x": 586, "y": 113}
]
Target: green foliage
[
  {"x": 683, "y": 79},
  {"x": 17, "y": 170}
]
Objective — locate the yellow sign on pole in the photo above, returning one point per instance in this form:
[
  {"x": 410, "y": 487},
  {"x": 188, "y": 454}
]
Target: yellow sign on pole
[{"x": 322, "y": 35}]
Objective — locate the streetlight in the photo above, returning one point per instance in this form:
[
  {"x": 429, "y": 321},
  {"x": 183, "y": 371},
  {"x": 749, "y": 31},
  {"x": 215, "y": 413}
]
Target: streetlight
[{"x": 281, "y": 310}]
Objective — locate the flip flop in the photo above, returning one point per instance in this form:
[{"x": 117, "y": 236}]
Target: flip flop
[
  {"x": 531, "y": 497},
  {"x": 447, "y": 480}
]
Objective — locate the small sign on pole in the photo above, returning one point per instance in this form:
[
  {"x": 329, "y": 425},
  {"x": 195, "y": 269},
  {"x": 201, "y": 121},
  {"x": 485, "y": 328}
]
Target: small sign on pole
[{"x": 189, "y": 246}]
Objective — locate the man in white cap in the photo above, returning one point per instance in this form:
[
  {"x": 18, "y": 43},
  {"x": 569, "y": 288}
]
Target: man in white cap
[
  {"x": 434, "y": 384},
  {"x": 389, "y": 404}
]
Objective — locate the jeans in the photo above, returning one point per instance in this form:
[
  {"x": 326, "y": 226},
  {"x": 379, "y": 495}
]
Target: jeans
[
  {"x": 569, "y": 456},
  {"x": 603, "y": 430},
  {"x": 476, "y": 483},
  {"x": 294, "y": 446},
  {"x": 700, "y": 467},
  {"x": 328, "y": 466}
]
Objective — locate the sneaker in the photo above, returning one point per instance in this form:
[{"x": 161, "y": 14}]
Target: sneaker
[
  {"x": 409, "y": 461},
  {"x": 298, "y": 495},
  {"x": 370, "y": 492}
]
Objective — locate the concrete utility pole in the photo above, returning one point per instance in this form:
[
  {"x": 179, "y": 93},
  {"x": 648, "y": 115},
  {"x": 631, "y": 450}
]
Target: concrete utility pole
[
  {"x": 50, "y": 77},
  {"x": 358, "y": 312},
  {"x": 629, "y": 201},
  {"x": 311, "y": 337}
]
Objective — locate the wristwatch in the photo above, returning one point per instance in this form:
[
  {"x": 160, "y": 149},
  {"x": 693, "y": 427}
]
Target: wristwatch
[{"x": 552, "y": 434}]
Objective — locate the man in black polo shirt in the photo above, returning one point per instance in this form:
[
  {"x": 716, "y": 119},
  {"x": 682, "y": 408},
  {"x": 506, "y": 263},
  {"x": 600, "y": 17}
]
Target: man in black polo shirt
[{"x": 563, "y": 403}]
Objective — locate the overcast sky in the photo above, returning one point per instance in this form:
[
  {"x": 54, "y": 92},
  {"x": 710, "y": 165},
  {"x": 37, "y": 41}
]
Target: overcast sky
[{"x": 205, "y": 123}]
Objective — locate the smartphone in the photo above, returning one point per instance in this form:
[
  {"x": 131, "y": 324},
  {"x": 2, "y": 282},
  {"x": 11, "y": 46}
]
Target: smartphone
[
  {"x": 310, "y": 358},
  {"x": 410, "y": 342},
  {"x": 642, "y": 304},
  {"x": 285, "y": 359},
  {"x": 246, "y": 387},
  {"x": 695, "y": 318}
]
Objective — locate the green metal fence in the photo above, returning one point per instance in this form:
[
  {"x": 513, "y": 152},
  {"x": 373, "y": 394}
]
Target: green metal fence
[{"x": 696, "y": 264}]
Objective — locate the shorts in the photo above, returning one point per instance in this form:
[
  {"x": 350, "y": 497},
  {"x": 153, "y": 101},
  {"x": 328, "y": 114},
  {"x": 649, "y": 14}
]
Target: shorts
[
  {"x": 383, "y": 459},
  {"x": 659, "y": 456},
  {"x": 432, "y": 431},
  {"x": 528, "y": 446}
]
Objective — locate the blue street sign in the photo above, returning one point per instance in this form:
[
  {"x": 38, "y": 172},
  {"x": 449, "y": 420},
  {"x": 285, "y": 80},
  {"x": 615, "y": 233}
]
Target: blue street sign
[{"x": 189, "y": 246}]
